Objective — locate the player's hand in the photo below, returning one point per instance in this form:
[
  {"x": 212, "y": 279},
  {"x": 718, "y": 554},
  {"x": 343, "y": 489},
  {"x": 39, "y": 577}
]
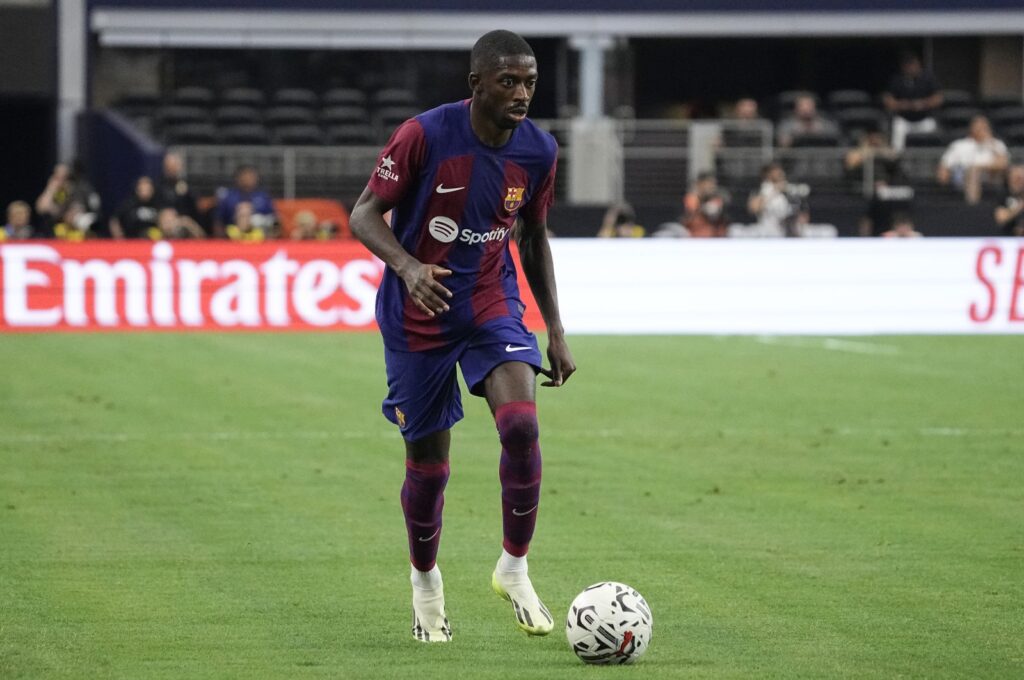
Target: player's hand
[
  {"x": 426, "y": 291},
  {"x": 562, "y": 364}
]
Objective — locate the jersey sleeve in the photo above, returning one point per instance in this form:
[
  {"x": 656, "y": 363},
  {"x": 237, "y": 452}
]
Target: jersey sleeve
[
  {"x": 399, "y": 163},
  {"x": 536, "y": 211}
]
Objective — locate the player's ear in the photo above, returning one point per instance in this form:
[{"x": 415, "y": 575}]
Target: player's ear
[{"x": 474, "y": 81}]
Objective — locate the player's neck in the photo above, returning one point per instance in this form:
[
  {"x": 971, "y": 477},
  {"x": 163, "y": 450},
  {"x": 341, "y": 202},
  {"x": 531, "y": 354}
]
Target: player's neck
[{"x": 486, "y": 131}]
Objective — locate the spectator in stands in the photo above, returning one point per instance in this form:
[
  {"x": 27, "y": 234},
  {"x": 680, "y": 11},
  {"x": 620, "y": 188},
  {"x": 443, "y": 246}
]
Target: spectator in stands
[
  {"x": 172, "y": 226},
  {"x": 745, "y": 109},
  {"x": 174, "y": 188},
  {"x": 912, "y": 98},
  {"x": 874, "y": 153},
  {"x": 66, "y": 185},
  {"x": 309, "y": 228},
  {"x": 243, "y": 226},
  {"x": 246, "y": 190},
  {"x": 805, "y": 121},
  {"x": 902, "y": 227},
  {"x": 745, "y": 127},
  {"x": 137, "y": 214},
  {"x": 19, "y": 222},
  {"x": 780, "y": 207},
  {"x": 75, "y": 224},
  {"x": 886, "y": 195},
  {"x": 976, "y": 160},
  {"x": 1010, "y": 211},
  {"x": 620, "y": 222},
  {"x": 706, "y": 208}
]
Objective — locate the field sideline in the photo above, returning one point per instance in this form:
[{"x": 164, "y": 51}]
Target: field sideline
[{"x": 226, "y": 506}]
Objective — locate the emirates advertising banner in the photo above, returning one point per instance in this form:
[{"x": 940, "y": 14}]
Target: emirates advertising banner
[{"x": 772, "y": 287}]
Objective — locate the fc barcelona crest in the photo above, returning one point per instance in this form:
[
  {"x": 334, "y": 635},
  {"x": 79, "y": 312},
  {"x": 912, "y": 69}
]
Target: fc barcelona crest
[{"x": 514, "y": 198}]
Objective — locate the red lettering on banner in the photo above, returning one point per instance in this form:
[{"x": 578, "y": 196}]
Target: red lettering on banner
[
  {"x": 990, "y": 288},
  {"x": 212, "y": 285},
  {"x": 1018, "y": 284}
]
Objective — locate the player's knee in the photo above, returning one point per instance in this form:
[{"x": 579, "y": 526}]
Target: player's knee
[{"x": 518, "y": 429}]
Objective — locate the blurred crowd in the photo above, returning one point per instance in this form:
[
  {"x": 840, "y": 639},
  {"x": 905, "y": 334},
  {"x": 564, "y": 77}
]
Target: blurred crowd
[
  {"x": 975, "y": 164},
  {"x": 164, "y": 208}
]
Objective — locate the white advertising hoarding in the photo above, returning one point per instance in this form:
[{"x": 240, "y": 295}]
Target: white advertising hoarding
[{"x": 792, "y": 286}]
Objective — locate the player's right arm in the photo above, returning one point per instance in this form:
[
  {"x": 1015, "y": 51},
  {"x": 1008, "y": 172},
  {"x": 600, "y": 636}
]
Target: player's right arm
[{"x": 421, "y": 280}]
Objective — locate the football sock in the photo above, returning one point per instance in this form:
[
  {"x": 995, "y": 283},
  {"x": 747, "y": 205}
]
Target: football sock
[
  {"x": 426, "y": 580},
  {"x": 520, "y": 472},
  {"x": 509, "y": 562},
  {"x": 422, "y": 501}
]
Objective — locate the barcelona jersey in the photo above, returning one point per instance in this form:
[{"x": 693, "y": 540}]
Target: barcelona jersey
[{"x": 456, "y": 203}]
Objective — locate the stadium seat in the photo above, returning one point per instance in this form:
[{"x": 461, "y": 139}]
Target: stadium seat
[
  {"x": 925, "y": 140},
  {"x": 138, "y": 104},
  {"x": 192, "y": 96},
  {"x": 391, "y": 97},
  {"x": 361, "y": 133},
  {"x": 816, "y": 139},
  {"x": 392, "y": 116},
  {"x": 323, "y": 208},
  {"x": 861, "y": 119},
  {"x": 295, "y": 96},
  {"x": 1014, "y": 136},
  {"x": 177, "y": 115},
  {"x": 299, "y": 135},
  {"x": 191, "y": 133},
  {"x": 244, "y": 96},
  {"x": 952, "y": 99},
  {"x": 245, "y": 134},
  {"x": 237, "y": 115},
  {"x": 959, "y": 117},
  {"x": 1007, "y": 117},
  {"x": 290, "y": 115},
  {"x": 994, "y": 102},
  {"x": 841, "y": 100},
  {"x": 344, "y": 115},
  {"x": 344, "y": 96}
]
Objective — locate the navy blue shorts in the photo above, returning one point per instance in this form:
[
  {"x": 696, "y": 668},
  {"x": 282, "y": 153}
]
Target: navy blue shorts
[{"x": 423, "y": 390}]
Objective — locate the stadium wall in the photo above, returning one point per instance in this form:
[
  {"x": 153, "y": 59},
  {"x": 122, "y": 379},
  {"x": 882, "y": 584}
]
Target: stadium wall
[{"x": 605, "y": 286}]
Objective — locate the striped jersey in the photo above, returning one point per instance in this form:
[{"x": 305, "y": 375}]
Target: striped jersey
[{"x": 456, "y": 202}]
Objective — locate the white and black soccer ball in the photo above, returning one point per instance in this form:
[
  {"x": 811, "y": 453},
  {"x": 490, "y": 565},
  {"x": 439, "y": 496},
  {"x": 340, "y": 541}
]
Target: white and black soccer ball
[{"x": 609, "y": 623}]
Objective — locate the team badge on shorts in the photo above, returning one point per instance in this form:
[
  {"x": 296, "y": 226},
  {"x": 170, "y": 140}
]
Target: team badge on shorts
[
  {"x": 401, "y": 417},
  {"x": 514, "y": 198}
]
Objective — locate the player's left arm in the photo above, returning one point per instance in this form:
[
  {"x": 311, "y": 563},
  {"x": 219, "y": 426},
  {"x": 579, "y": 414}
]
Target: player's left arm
[{"x": 535, "y": 256}]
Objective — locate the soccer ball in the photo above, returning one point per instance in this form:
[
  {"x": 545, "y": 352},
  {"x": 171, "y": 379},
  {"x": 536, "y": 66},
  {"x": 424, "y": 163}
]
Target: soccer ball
[{"x": 609, "y": 623}]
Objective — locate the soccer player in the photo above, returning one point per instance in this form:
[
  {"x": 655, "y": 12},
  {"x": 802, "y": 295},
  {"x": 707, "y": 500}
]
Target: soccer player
[{"x": 457, "y": 180}]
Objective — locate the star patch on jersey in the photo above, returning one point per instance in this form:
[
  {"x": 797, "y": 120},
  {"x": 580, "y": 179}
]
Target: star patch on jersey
[
  {"x": 514, "y": 198},
  {"x": 384, "y": 171}
]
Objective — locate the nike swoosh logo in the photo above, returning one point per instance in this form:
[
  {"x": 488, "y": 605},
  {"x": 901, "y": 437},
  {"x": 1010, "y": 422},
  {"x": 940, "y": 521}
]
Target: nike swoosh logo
[
  {"x": 431, "y": 536},
  {"x": 520, "y": 514},
  {"x": 442, "y": 189},
  {"x": 510, "y": 348}
]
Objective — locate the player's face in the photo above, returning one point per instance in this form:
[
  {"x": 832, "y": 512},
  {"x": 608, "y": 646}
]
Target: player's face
[{"x": 504, "y": 92}]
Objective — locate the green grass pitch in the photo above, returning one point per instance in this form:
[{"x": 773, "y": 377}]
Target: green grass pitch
[{"x": 226, "y": 506}]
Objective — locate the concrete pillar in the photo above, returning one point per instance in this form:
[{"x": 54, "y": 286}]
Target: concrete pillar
[
  {"x": 595, "y": 150},
  {"x": 72, "y": 59}
]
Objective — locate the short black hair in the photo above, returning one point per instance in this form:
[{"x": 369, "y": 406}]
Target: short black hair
[{"x": 493, "y": 46}]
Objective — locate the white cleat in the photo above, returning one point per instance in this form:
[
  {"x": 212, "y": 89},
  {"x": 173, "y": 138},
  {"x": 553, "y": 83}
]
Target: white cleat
[
  {"x": 532, "y": 616},
  {"x": 429, "y": 621}
]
